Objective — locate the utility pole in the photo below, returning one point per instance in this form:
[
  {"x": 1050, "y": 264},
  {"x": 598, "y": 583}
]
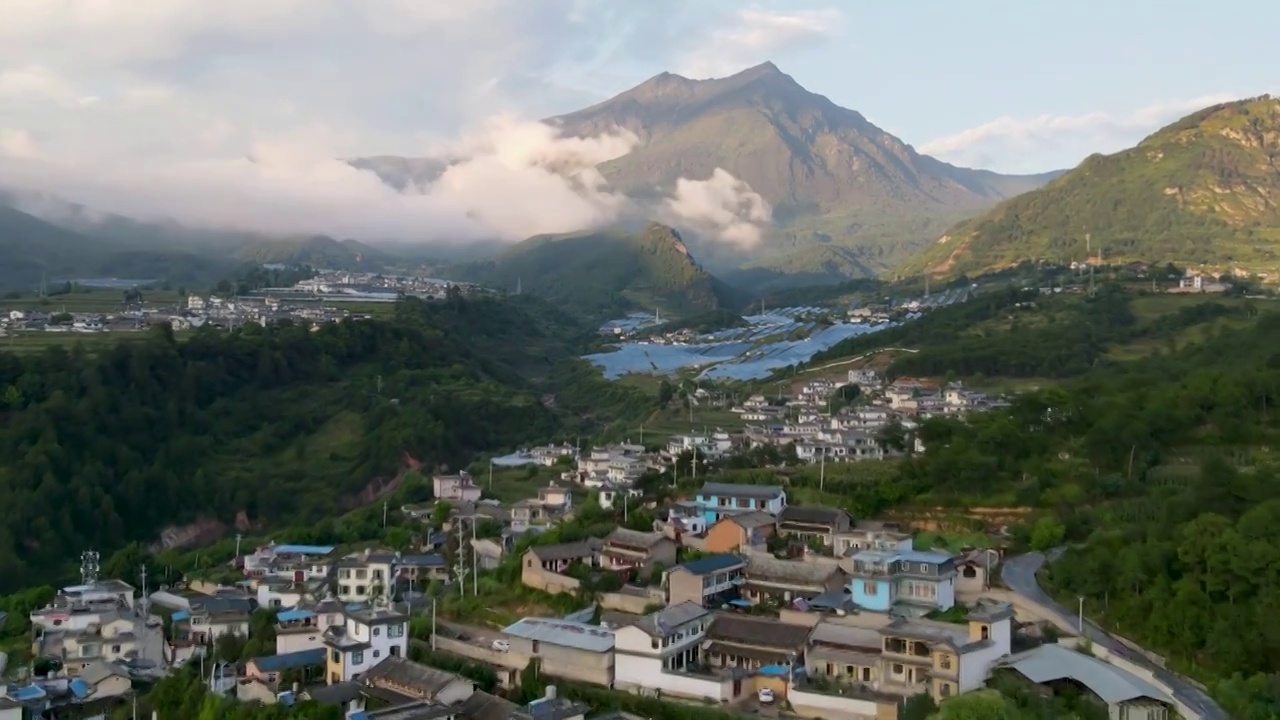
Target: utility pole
[
  {"x": 384, "y": 514},
  {"x": 144, "y": 592},
  {"x": 1080, "y": 618},
  {"x": 460, "y": 561},
  {"x": 490, "y": 473},
  {"x": 433, "y": 624},
  {"x": 238, "y": 537},
  {"x": 625, "y": 496},
  {"x": 475, "y": 566},
  {"x": 822, "y": 470}
]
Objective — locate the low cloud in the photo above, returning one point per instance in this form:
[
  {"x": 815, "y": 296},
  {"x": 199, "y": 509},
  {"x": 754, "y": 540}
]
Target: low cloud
[
  {"x": 508, "y": 181},
  {"x": 721, "y": 207},
  {"x": 1003, "y": 143}
]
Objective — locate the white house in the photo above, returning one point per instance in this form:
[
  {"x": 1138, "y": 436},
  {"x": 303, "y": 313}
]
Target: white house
[
  {"x": 658, "y": 650},
  {"x": 366, "y": 576},
  {"x": 365, "y": 638}
]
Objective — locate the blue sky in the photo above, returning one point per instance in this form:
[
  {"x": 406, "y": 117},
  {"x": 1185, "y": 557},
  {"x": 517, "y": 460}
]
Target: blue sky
[{"x": 250, "y": 101}]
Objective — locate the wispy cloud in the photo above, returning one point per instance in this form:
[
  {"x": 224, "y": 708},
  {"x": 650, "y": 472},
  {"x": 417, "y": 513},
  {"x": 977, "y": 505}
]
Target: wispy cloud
[
  {"x": 755, "y": 35},
  {"x": 1009, "y": 143}
]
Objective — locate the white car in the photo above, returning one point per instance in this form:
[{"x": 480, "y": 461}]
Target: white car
[
  {"x": 765, "y": 696},
  {"x": 501, "y": 645}
]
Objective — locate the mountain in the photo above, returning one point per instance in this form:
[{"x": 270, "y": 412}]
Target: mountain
[
  {"x": 848, "y": 198},
  {"x": 33, "y": 250},
  {"x": 606, "y": 273},
  {"x": 318, "y": 251},
  {"x": 1204, "y": 191}
]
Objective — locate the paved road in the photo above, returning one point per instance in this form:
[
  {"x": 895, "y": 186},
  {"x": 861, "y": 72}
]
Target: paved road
[{"x": 1019, "y": 573}]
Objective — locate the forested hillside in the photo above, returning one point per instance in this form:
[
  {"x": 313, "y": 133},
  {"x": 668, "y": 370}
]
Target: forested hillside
[{"x": 278, "y": 423}]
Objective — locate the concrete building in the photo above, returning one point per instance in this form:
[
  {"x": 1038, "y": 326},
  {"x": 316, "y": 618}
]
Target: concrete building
[
  {"x": 709, "y": 581},
  {"x": 736, "y": 532},
  {"x": 565, "y": 649},
  {"x": 625, "y": 549},
  {"x": 911, "y": 582},
  {"x": 366, "y": 637},
  {"x": 1127, "y": 696},
  {"x": 655, "y": 651}
]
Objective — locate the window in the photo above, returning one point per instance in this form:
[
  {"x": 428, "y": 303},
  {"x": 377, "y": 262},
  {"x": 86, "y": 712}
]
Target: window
[
  {"x": 345, "y": 589},
  {"x": 357, "y": 657},
  {"x": 115, "y": 648},
  {"x": 986, "y": 633},
  {"x": 376, "y": 653},
  {"x": 897, "y": 668},
  {"x": 335, "y": 656},
  {"x": 360, "y": 590},
  {"x": 395, "y": 651},
  {"x": 536, "y": 645},
  {"x": 869, "y": 588},
  {"x": 946, "y": 689},
  {"x": 924, "y": 567},
  {"x": 654, "y": 643},
  {"x": 944, "y": 662},
  {"x": 377, "y": 631},
  {"x": 395, "y": 631},
  {"x": 361, "y": 574}
]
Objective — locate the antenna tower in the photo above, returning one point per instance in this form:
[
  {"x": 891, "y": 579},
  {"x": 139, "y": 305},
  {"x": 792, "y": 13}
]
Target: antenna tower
[
  {"x": 88, "y": 567},
  {"x": 460, "y": 568}
]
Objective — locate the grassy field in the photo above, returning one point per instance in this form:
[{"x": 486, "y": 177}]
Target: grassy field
[
  {"x": 26, "y": 343},
  {"x": 510, "y": 484},
  {"x": 96, "y": 301}
]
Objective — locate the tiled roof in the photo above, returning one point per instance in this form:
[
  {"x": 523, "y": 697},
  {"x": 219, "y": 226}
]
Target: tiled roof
[
  {"x": 566, "y": 551},
  {"x": 624, "y": 536},
  {"x": 761, "y": 492},
  {"x": 763, "y": 632},
  {"x": 666, "y": 620},
  {"x": 302, "y": 658},
  {"x": 752, "y": 520},
  {"x": 400, "y": 672},
  {"x": 576, "y": 635},
  {"x": 810, "y": 515},
  {"x": 711, "y": 564},
  {"x": 813, "y": 571}
]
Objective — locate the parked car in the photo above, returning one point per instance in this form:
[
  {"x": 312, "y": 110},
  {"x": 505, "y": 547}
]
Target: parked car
[
  {"x": 501, "y": 645},
  {"x": 765, "y": 696}
]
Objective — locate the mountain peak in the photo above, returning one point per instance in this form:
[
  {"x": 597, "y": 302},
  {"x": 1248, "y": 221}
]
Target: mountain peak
[{"x": 764, "y": 69}]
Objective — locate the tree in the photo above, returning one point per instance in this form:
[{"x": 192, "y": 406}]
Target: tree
[
  {"x": 440, "y": 514},
  {"x": 229, "y": 647},
  {"x": 1047, "y": 533},
  {"x": 919, "y": 707},
  {"x": 530, "y": 682}
]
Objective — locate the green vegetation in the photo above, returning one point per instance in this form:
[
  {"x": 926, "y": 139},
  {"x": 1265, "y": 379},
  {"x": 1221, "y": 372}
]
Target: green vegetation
[
  {"x": 607, "y": 273},
  {"x": 185, "y": 694},
  {"x": 280, "y": 423},
  {"x": 315, "y": 251},
  {"x": 1199, "y": 192}
]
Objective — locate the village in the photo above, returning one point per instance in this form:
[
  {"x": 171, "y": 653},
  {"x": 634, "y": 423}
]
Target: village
[{"x": 692, "y": 591}]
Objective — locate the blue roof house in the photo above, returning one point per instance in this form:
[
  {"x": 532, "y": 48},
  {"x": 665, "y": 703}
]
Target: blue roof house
[
  {"x": 911, "y": 582},
  {"x": 718, "y": 500}
]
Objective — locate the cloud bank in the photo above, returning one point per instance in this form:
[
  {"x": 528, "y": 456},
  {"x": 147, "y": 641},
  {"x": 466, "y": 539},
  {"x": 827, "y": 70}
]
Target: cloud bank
[
  {"x": 234, "y": 114},
  {"x": 722, "y": 207}
]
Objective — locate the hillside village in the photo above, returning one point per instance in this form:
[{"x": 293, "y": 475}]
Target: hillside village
[{"x": 733, "y": 595}]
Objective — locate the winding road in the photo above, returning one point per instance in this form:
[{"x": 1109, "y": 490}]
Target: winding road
[{"x": 1019, "y": 573}]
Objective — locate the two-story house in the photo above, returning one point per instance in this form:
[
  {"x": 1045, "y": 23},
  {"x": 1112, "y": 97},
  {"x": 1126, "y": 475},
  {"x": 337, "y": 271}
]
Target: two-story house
[
  {"x": 872, "y": 536},
  {"x": 298, "y": 629},
  {"x": 735, "y": 532},
  {"x": 748, "y": 642},
  {"x": 907, "y": 657},
  {"x": 366, "y": 637},
  {"x": 625, "y": 549},
  {"x": 709, "y": 581},
  {"x": 813, "y": 523},
  {"x": 552, "y": 503},
  {"x": 906, "y": 581},
  {"x": 651, "y": 653},
  {"x": 366, "y": 576},
  {"x": 564, "y": 648},
  {"x": 404, "y": 678},
  {"x": 720, "y": 499},
  {"x": 455, "y": 488}
]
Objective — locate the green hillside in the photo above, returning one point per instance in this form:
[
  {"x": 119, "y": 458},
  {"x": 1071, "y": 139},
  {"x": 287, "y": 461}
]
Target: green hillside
[
  {"x": 316, "y": 251},
  {"x": 606, "y": 273},
  {"x": 1203, "y": 192}
]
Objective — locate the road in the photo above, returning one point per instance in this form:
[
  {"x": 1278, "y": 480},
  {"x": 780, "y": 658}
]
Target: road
[{"x": 1019, "y": 573}]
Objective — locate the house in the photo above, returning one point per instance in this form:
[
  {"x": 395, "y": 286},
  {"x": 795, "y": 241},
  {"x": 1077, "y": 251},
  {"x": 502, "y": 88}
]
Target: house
[
  {"x": 488, "y": 553},
  {"x": 99, "y": 681},
  {"x": 420, "y": 570},
  {"x": 366, "y": 576},
  {"x": 300, "y": 629},
  {"x": 77, "y": 607},
  {"x": 812, "y": 523},
  {"x": 367, "y": 637},
  {"x": 611, "y": 496},
  {"x": 734, "y": 532},
  {"x": 902, "y": 581},
  {"x": 564, "y": 648},
  {"x": 654, "y": 652},
  {"x": 709, "y": 581},
  {"x": 408, "y": 681},
  {"x": 211, "y": 617},
  {"x": 782, "y": 582},
  {"x": 872, "y": 536},
  {"x": 552, "y": 502},
  {"x": 455, "y": 488},
  {"x": 720, "y": 499},
  {"x": 112, "y": 639},
  {"x": 907, "y": 657},
  {"x": 748, "y": 642},
  {"x": 557, "y": 558},
  {"x": 268, "y": 669},
  {"x": 974, "y": 570},
  {"x": 1127, "y": 696},
  {"x": 864, "y": 378},
  {"x": 295, "y": 562},
  {"x": 625, "y": 549}
]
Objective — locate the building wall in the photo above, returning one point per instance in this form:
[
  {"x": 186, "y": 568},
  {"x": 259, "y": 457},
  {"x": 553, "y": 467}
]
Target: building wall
[
  {"x": 684, "y": 587},
  {"x": 298, "y": 641},
  {"x": 535, "y": 577},
  {"x": 880, "y": 600},
  {"x": 968, "y": 587},
  {"x": 822, "y": 705},
  {"x": 627, "y": 602},
  {"x": 566, "y": 662},
  {"x": 513, "y": 660},
  {"x": 644, "y": 675},
  {"x": 724, "y": 537}
]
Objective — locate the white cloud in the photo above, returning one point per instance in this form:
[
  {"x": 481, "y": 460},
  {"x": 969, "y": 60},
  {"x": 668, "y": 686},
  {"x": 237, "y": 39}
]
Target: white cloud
[
  {"x": 722, "y": 206},
  {"x": 1003, "y": 143},
  {"x": 755, "y": 35},
  {"x": 232, "y": 113}
]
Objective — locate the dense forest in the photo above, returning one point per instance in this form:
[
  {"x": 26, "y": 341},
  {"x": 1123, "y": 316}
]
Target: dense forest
[{"x": 283, "y": 422}]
